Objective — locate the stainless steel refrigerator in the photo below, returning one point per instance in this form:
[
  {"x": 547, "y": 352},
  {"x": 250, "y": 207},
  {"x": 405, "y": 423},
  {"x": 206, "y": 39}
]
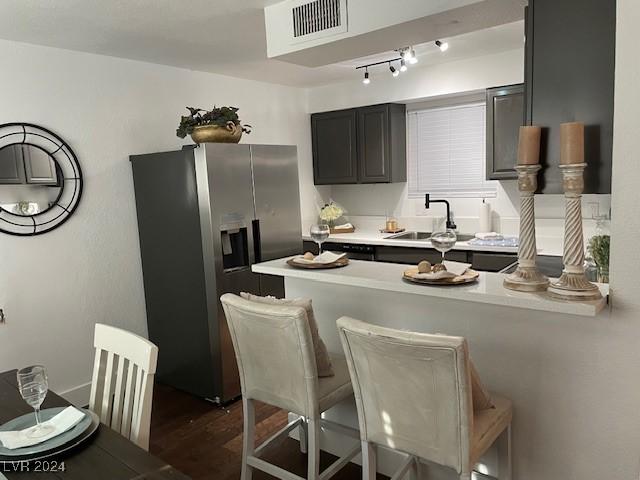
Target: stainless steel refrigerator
[{"x": 205, "y": 215}]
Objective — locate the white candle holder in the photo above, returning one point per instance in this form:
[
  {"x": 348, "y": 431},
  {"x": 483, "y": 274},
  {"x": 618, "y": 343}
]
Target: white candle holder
[
  {"x": 527, "y": 278},
  {"x": 573, "y": 284}
]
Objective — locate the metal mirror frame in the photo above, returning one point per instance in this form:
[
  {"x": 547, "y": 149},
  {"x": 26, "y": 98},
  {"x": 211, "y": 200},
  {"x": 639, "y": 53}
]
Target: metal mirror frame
[{"x": 71, "y": 188}]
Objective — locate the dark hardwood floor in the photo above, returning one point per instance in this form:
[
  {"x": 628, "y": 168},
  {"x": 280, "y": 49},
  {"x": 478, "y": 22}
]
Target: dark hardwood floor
[{"x": 205, "y": 441}]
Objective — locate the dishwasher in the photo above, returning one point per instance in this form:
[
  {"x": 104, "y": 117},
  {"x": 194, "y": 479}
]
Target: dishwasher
[{"x": 355, "y": 251}]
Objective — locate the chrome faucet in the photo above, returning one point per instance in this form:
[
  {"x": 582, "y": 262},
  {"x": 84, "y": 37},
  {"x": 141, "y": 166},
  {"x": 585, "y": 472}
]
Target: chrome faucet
[{"x": 427, "y": 204}]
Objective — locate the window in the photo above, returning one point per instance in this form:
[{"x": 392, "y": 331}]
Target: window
[{"x": 447, "y": 152}]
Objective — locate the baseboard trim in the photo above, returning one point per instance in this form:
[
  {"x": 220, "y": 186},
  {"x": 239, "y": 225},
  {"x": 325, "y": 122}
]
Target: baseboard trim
[{"x": 78, "y": 396}]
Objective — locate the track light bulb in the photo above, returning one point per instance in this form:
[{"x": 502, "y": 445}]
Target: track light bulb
[
  {"x": 403, "y": 66},
  {"x": 413, "y": 59},
  {"x": 366, "y": 80},
  {"x": 443, "y": 46},
  {"x": 393, "y": 70}
]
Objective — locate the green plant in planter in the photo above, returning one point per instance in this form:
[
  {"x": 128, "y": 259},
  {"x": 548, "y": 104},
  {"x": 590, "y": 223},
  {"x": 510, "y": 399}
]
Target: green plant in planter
[
  {"x": 599, "y": 250},
  {"x": 219, "y": 116}
]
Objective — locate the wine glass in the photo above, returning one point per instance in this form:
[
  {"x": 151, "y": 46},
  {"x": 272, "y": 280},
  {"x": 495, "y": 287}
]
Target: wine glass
[
  {"x": 444, "y": 241},
  {"x": 319, "y": 233},
  {"x": 33, "y": 385}
]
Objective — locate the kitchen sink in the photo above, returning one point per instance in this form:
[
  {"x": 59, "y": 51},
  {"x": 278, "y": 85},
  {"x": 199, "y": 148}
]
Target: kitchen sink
[
  {"x": 464, "y": 237},
  {"x": 410, "y": 236},
  {"x": 424, "y": 236}
]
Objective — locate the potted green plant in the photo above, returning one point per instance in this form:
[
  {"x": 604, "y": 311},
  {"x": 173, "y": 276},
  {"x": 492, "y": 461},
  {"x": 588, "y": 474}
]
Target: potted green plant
[
  {"x": 598, "y": 248},
  {"x": 221, "y": 124}
]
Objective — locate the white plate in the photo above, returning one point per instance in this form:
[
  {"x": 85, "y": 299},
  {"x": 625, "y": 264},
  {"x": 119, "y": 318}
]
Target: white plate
[{"x": 51, "y": 446}]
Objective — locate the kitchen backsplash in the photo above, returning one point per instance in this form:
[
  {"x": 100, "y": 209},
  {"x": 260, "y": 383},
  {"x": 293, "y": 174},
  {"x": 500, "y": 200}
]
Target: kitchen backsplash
[{"x": 367, "y": 206}]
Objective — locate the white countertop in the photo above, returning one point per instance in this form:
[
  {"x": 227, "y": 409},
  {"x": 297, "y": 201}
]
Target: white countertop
[
  {"x": 388, "y": 276},
  {"x": 546, "y": 245}
]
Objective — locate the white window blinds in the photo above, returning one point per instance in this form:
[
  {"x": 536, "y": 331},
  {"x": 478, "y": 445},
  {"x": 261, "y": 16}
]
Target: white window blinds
[{"x": 447, "y": 152}]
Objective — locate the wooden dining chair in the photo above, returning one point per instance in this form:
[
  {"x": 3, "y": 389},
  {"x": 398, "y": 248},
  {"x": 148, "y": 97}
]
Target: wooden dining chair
[{"x": 122, "y": 383}]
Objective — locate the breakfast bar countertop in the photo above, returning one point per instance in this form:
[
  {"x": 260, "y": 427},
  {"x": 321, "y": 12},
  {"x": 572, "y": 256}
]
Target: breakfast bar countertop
[{"x": 388, "y": 277}]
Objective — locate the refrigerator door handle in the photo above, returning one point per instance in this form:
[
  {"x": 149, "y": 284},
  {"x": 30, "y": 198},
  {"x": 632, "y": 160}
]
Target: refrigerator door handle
[{"x": 257, "y": 244}]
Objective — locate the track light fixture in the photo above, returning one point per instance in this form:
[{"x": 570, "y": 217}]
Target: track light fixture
[
  {"x": 366, "y": 80},
  {"x": 443, "y": 46},
  {"x": 407, "y": 56}
]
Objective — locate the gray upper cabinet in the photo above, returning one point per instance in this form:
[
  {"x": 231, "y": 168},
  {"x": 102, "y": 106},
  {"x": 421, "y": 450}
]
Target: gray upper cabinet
[
  {"x": 334, "y": 138},
  {"x": 26, "y": 164},
  {"x": 360, "y": 145},
  {"x": 505, "y": 114},
  {"x": 39, "y": 167},
  {"x": 569, "y": 76},
  {"x": 11, "y": 165}
]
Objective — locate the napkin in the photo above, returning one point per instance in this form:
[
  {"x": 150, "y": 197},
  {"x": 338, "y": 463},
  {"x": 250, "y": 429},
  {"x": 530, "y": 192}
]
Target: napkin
[
  {"x": 323, "y": 258},
  {"x": 457, "y": 268},
  {"x": 453, "y": 270},
  {"x": 489, "y": 236},
  {"x": 440, "y": 275},
  {"x": 344, "y": 226},
  {"x": 63, "y": 421}
]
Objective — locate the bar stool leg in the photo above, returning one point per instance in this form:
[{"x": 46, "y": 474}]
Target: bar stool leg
[
  {"x": 248, "y": 437},
  {"x": 504, "y": 455},
  {"x": 368, "y": 461},
  {"x": 420, "y": 470},
  {"x": 302, "y": 432},
  {"x": 313, "y": 448}
]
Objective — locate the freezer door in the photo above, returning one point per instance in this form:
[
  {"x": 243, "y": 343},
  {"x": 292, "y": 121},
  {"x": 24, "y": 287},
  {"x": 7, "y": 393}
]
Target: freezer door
[{"x": 277, "y": 200}]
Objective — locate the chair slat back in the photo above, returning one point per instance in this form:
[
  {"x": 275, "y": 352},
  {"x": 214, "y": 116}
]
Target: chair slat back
[
  {"x": 412, "y": 391},
  {"x": 122, "y": 384},
  {"x": 274, "y": 352}
]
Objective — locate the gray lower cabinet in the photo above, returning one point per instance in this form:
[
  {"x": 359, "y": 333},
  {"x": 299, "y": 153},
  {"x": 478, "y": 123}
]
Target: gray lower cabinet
[
  {"x": 413, "y": 256},
  {"x": 569, "y": 77},
  {"x": 505, "y": 115},
  {"x": 491, "y": 262},
  {"x": 360, "y": 145}
]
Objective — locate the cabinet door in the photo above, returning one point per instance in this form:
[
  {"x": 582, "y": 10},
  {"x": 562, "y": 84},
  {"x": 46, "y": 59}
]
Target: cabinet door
[
  {"x": 505, "y": 115},
  {"x": 11, "y": 165},
  {"x": 373, "y": 144},
  {"x": 492, "y": 262},
  {"x": 334, "y": 138},
  {"x": 39, "y": 167},
  {"x": 413, "y": 256},
  {"x": 570, "y": 49}
]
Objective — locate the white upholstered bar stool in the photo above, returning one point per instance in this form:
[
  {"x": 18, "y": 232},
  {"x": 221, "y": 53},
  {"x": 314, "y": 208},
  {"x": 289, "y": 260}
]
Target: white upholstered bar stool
[
  {"x": 413, "y": 395},
  {"x": 122, "y": 383},
  {"x": 277, "y": 366}
]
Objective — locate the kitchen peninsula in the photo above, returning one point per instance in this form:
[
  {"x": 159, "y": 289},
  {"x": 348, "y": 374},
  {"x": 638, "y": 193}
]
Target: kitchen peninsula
[{"x": 521, "y": 342}]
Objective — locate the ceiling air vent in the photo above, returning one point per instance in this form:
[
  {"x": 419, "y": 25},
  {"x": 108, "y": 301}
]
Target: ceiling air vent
[{"x": 318, "y": 18}]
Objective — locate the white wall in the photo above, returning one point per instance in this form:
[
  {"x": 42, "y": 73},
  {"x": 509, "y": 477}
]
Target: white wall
[
  {"x": 620, "y": 352},
  {"x": 430, "y": 85},
  {"x": 55, "y": 287}
]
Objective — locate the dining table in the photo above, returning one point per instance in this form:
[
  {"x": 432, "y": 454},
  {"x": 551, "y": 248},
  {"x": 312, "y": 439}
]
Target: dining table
[{"x": 106, "y": 455}]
